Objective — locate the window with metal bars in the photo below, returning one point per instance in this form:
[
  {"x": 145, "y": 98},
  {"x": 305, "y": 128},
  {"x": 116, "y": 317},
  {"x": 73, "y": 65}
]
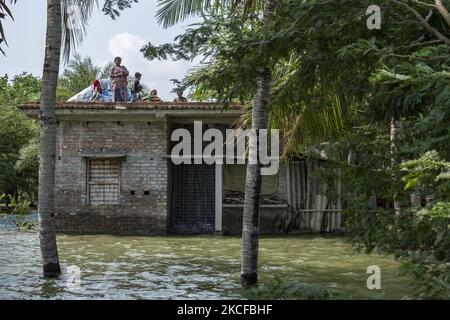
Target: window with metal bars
[{"x": 103, "y": 181}]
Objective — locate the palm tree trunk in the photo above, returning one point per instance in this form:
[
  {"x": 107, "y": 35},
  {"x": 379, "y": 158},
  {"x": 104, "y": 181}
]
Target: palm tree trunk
[
  {"x": 46, "y": 197},
  {"x": 250, "y": 223}
]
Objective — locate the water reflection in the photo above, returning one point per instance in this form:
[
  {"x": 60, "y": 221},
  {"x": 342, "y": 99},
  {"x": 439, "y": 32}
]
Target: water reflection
[{"x": 201, "y": 267}]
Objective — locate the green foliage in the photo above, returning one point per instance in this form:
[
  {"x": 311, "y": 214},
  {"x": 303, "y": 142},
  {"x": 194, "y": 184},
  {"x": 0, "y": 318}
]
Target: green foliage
[
  {"x": 400, "y": 72},
  {"x": 104, "y": 72},
  {"x": 22, "y": 207},
  {"x": 17, "y": 132},
  {"x": 27, "y": 169},
  {"x": 336, "y": 88},
  {"x": 431, "y": 277},
  {"x": 112, "y": 8},
  {"x": 171, "y": 12},
  {"x": 428, "y": 171},
  {"x": 10, "y": 204},
  {"x": 420, "y": 237},
  {"x": 221, "y": 39},
  {"x": 78, "y": 76},
  {"x": 21, "y": 88},
  {"x": 280, "y": 289},
  {"x": 63, "y": 93},
  {"x": 24, "y": 225}
]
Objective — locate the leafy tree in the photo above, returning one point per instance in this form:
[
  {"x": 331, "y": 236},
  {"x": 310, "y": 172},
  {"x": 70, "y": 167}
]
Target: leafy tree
[
  {"x": 21, "y": 88},
  {"x": 79, "y": 74},
  {"x": 27, "y": 168},
  {"x": 104, "y": 72},
  {"x": 338, "y": 86},
  {"x": 400, "y": 73},
  {"x": 16, "y": 132}
]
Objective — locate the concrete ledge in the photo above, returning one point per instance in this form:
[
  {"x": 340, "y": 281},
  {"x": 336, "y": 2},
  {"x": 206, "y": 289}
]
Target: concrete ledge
[{"x": 102, "y": 155}]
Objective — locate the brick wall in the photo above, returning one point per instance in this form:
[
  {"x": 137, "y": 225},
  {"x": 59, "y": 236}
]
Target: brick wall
[{"x": 144, "y": 170}]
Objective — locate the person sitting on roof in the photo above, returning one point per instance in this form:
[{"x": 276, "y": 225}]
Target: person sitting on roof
[
  {"x": 153, "y": 97},
  {"x": 119, "y": 81},
  {"x": 97, "y": 91},
  {"x": 179, "y": 97}
]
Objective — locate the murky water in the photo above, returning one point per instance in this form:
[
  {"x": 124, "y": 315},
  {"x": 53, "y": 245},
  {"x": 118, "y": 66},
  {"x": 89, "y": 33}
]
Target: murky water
[{"x": 200, "y": 267}]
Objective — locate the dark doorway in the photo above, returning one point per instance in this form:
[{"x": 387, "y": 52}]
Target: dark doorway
[{"x": 193, "y": 199}]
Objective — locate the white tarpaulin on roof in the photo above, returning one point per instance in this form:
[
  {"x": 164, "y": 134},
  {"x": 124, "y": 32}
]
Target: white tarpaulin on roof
[{"x": 87, "y": 95}]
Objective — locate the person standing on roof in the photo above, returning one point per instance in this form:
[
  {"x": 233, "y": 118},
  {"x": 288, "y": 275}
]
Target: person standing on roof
[
  {"x": 119, "y": 81},
  {"x": 135, "y": 87}
]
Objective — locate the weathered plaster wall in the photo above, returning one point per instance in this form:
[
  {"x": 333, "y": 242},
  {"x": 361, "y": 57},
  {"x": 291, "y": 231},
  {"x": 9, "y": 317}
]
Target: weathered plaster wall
[{"x": 272, "y": 216}]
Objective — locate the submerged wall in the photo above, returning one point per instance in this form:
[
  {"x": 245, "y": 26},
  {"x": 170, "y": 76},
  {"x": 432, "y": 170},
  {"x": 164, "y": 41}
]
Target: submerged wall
[
  {"x": 272, "y": 219},
  {"x": 142, "y": 207}
]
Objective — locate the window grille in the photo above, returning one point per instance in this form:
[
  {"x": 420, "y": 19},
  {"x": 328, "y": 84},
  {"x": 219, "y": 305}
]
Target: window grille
[{"x": 104, "y": 182}]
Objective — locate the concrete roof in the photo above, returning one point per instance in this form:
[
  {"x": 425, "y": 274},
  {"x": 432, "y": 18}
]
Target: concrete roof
[{"x": 144, "y": 111}]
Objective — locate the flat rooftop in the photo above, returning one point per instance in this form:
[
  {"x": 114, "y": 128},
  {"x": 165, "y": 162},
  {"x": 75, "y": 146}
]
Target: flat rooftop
[{"x": 144, "y": 111}]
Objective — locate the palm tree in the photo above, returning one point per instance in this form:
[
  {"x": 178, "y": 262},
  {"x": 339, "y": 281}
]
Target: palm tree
[
  {"x": 4, "y": 12},
  {"x": 250, "y": 220},
  {"x": 173, "y": 11},
  {"x": 66, "y": 25},
  {"x": 79, "y": 74},
  {"x": 303, "y": 124},
  {"x": 54, "y": 37},
  {"x": 60, "y": 30},
  {"x": 46, "y": 193}
]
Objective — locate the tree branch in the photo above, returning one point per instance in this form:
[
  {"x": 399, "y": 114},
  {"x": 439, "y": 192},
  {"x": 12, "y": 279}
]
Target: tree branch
[
  {"x": 443, "y": 11},
  {"x": 424, "y": 23}
]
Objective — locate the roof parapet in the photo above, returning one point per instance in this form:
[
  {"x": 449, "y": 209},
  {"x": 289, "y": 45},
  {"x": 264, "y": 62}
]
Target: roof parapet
[{"x": 137, "y": 105}]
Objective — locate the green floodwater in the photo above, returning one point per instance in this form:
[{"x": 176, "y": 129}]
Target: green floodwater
[{"x": 198, "y": 267}]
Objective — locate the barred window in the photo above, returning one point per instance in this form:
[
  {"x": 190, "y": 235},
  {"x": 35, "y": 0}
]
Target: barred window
[{"x": 103, "y": 182}]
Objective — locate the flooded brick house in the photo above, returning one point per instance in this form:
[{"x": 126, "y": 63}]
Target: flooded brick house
[{"x": 114, "y": 175}]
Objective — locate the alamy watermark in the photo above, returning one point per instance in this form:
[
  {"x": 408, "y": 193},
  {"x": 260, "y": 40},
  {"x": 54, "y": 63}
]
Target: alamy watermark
[
  {"x": 189, "y": 150},
  {"x": 73, "y": 17},
  {"x": 374, "y": 280},
  {"x": 374, "y": 19},
  {"x": 73, "y": 280}
]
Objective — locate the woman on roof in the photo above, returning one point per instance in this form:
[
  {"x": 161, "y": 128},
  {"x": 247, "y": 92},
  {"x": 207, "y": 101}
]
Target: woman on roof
[
  {"x": 152, "y": 97},
  {"x": 119, "y": 81}
]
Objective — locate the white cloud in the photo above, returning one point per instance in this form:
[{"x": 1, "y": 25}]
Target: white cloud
[{"x": 155, "y": 74}]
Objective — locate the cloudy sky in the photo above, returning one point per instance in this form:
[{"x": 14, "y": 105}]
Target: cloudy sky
[{"x": 106, "y": 39}]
